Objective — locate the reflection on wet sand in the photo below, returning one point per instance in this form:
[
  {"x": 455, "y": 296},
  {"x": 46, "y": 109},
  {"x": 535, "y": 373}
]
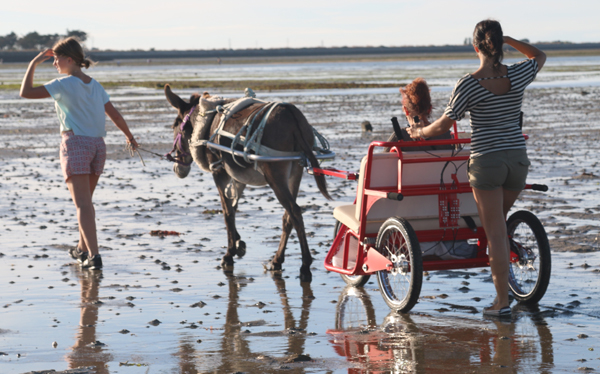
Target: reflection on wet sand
[
  {"x": 87, "y": 351},
  {"x": 239, "y": 350},
  {"x": 421, "y": 343},
  {"x": 186, "y": 354},
  {"x": 234, "y": 346}
]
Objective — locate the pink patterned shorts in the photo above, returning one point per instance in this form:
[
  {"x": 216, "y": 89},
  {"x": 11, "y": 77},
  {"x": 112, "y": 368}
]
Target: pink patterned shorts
[{"x": 81, "y": 154}]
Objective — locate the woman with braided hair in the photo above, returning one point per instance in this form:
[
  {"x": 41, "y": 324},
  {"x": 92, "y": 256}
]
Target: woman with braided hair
[{"x": 498, "y": 163}]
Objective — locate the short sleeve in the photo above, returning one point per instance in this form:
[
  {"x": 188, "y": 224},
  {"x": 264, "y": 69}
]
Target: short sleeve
[
  {"x": 526, "y": 70},
  {"x": 103, "y": 94},
  {"x": 54, "y": 88},
  {"x": 459, "y": 101}
]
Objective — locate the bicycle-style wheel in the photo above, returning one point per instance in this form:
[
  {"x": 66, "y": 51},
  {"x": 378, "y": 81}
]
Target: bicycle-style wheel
[
  {"x": 351, "y": 280},
  {"x": 354, "y": 310},
  {"x": 529, "y": 277},
  {"x": 400, "y": 286}
]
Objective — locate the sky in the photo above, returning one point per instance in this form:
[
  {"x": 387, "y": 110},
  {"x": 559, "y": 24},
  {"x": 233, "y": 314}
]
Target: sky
[{"x": 217, "y": 24}]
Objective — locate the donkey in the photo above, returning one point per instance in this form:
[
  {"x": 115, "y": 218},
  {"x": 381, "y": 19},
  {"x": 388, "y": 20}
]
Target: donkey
[{"x": 286, "y": 130}]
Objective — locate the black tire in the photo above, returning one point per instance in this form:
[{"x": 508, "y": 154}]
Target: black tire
[
  {"x": 354, "y": 310},
  {"x": 401, "y": 286},
  {"x": 351, "y": 280},
  {"x": 528, "y": 278}
]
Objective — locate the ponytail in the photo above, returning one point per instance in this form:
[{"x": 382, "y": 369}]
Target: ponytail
[
  {"x": 87, "y": 63},
  {"x": 489, "y": 39},
  {"x": 70, "y": 47}
]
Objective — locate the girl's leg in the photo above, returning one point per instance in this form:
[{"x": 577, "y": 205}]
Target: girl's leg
[
  {"x": 509, "y": 200},
  {"x": 93, "y": 183},
  {"x": 490, "y": 205},
  {"x": 79, "y": 186}
]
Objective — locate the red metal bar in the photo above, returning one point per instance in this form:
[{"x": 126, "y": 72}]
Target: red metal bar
[
  {"x": 434, "y": 159},
  {"x": 419, "y": 143},
  {"x": 425, "y": 189},
  {"x": 478, "y": 262},
  {"x": 335, "y": 173},
  {"x": 418, "y": 190}
]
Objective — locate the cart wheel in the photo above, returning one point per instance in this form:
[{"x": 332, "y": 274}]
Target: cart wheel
[
  {"x": 354, "y": 310},
  {"x": 351, "y": 280},
  {"x": 400, "y": 286},
  {"x": 529, "y": 277}
]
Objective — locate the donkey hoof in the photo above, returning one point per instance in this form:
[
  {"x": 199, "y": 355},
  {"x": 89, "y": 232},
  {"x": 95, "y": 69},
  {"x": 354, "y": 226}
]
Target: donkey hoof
[
  {"x": 305, "y": 276},
  {"x": 240, "y": 248},
  {"x": 227, "y": 261},
  {"x": 271, "y": 266},
  {"x": 305, "y": 273}
]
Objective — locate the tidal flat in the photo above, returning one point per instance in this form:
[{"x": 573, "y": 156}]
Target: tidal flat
[{"x": 164, "y": 304}]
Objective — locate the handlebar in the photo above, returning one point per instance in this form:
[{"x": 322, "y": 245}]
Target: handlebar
[
  {"x": 395, "y": 196},
  {"x": 539, "y": 187}
]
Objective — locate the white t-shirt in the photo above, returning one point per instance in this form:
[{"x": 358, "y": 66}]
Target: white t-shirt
[{"x": 79, "y": 106}]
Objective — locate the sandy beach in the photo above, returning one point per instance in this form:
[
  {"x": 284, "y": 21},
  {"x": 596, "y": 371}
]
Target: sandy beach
[{"x": 164, "y": 304}]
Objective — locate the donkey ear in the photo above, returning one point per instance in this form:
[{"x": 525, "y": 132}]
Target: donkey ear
[{"x": 173, "y": 99}]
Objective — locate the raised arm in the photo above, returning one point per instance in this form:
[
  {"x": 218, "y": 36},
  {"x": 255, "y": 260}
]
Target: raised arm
[
  {"x": 528, "y": 50},
  {"x": 119, "y": 121},
  {"x": 27, "y": 89},
  {"x": 438, "y": 127}
]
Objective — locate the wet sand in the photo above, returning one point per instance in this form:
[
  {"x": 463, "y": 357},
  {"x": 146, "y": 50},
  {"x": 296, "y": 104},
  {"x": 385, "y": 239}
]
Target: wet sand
[{"x": 165, "y": 305}]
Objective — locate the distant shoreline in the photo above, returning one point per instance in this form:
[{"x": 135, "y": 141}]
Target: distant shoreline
[{"x": 300, "y": 54}]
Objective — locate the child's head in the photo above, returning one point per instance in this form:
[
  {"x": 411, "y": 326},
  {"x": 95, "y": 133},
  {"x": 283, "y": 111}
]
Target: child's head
[
  {"x": 70, "y": 47},
  {"x": 416, "y": 98}
]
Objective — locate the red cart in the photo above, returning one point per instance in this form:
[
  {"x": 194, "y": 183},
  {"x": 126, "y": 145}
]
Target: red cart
[{"x": 407, "y": 198}]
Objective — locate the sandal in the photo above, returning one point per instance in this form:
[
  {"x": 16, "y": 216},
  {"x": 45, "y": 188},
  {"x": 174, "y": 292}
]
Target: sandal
[{"x": 502, "y": 312}]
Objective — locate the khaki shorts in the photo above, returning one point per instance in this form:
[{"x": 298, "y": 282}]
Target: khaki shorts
[{"x": 507, "y": 169}]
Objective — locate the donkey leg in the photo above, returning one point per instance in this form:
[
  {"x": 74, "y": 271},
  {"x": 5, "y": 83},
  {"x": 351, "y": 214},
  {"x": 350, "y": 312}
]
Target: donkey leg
[
  {"x": 295, "y": 177},
  {"x": 234, "y": 192},
  {"x": 229, "y": 206},
  {"x": 279, "y": 258},
  {"x": 285, "y": 179},
  {"x": 294, "y": 186}
]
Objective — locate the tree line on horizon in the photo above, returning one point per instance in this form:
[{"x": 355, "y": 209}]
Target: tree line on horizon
[{"x": 34, "y": 40}]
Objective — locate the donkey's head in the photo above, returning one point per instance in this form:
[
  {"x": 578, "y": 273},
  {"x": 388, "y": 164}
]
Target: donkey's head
[{"x": 181, "y": 134}]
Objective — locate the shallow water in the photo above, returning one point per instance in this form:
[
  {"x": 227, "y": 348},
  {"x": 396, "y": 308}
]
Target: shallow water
[
  {"x": 568, "y": 70},
  {"x": 250, "y": 321},
  {"x": 247, "y": 320}
]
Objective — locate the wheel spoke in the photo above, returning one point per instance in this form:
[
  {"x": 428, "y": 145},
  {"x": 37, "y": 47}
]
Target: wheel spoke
[
  {"x": 529, "y": 276},
  {"x": 397, "y": 242},
  {"x": 525, "y": 272}
]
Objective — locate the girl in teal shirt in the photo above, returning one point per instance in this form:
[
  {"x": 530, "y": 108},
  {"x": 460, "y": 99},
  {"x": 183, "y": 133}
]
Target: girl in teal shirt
[{"x": 81, "y": 105}]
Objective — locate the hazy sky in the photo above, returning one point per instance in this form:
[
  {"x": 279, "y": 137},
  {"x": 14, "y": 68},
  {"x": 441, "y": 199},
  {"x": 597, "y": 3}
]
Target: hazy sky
[{"x": 199, "y": 24}]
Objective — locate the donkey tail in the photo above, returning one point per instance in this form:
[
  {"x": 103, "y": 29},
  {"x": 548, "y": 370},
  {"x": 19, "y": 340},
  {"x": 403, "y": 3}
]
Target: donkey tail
[{"x": 304, "y": 131}]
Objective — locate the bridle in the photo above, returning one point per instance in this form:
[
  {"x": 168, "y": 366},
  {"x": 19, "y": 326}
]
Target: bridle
[{"x": 177, "y": 146}]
